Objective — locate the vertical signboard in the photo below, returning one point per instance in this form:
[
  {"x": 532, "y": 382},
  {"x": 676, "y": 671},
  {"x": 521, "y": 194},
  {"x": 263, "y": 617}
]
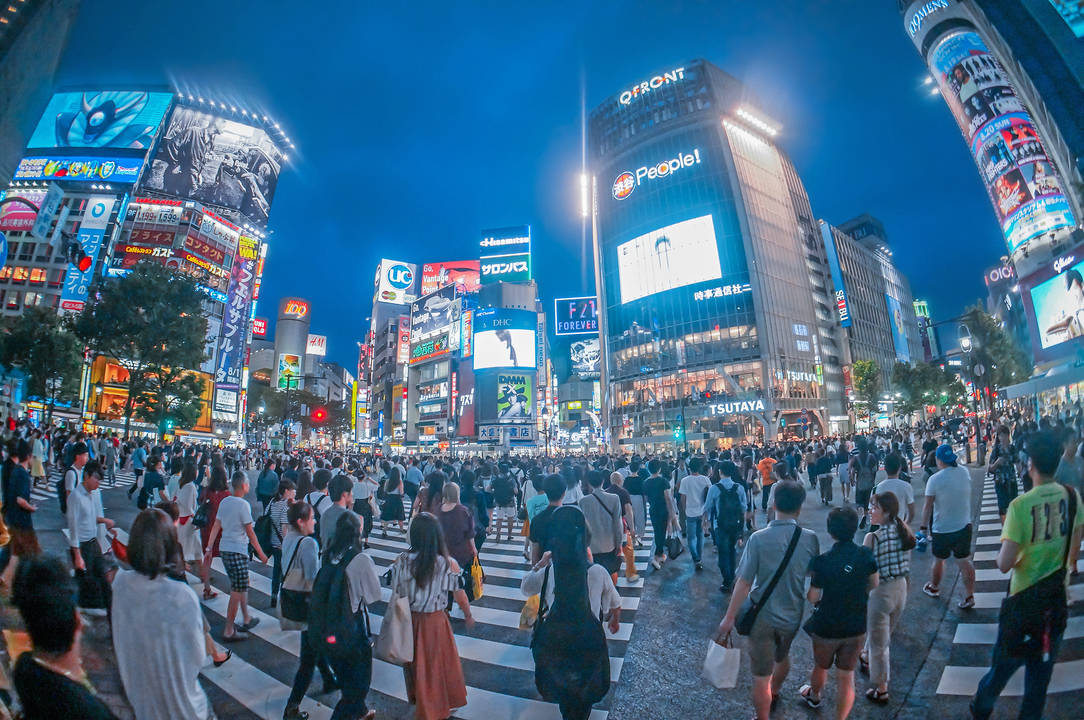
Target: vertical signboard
[
  {"x": 505, "y": 254},
  {"x": 231, "y": 346},
  {"x": 91, "y": 231},
  {"x": 843, "y": 309}
]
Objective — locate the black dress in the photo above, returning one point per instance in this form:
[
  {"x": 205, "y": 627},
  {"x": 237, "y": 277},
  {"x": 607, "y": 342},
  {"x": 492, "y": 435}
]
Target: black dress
[{"x": 46, "y": 695}]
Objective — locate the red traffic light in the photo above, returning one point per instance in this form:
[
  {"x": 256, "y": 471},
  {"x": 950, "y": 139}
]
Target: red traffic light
[
  {"x": 84, "y": 263},
  {"x": 319, "y": 414}
]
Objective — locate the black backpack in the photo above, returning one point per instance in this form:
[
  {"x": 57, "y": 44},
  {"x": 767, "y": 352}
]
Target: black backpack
[
  {"x": 333, "y": 624},
  {"x": 61, "y": 492},
  {"x": 728, "y": 509}
]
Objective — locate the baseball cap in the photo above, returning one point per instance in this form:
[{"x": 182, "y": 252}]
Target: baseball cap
[{"x": 945, "y": 454}]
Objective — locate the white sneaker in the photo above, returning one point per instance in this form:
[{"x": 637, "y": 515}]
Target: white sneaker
[{"x": 656, "y": 564}]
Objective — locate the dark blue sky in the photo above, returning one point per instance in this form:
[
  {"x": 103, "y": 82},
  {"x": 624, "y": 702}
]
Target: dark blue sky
[{"x": 418, "y": 127}]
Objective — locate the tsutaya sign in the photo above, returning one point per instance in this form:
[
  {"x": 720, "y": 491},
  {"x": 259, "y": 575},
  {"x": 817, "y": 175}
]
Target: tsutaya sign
[
  {"x": 626, "y": 182},
  {"x": 736, "y": 408},
  {"x": 653, "y": 84}
]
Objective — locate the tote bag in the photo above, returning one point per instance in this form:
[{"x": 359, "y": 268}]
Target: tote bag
[{"x": 395, "y": 643}]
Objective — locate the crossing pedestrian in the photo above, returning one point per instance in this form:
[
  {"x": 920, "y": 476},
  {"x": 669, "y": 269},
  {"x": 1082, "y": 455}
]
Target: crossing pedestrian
[
  {"x": 728, "y": 502},
  {"x": 692, "y": 493},
  {"x": 284, "y": 497},
  {"x": 661, "y": 506},
  {"x": 392, "y": 510},
  {"x": 602, "y": 511},
  {"x": 457, "y": 524},
  {"x": 85, "y": 514},
  {"x": 18, "y": 511},
  {"x": 948, "y": 515},
  {"x": 217, "y": 491}
]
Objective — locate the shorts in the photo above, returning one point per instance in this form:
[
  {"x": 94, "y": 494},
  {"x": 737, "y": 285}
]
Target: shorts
[
  {"x": 768, "y": 645},
  {"x": 842, "y": 652},
  {"x": 504, "y": 513},
  {"x": 609, "y": 560},
  {"x": 236, "y": 569},
  {"x": 861, "y": 497},
  {"x": 957, "y": 544}
]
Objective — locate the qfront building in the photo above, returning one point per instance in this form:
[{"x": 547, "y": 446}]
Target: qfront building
[{"x": 714, "y": 312}]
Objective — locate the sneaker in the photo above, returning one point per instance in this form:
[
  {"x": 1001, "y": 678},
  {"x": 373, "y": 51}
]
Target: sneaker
[
  {"x": 294, "y": 713},
  {"x": 656, "y": 564},
  {"x": 699, "y": 566},
  {"x": 931, "y": 590},
  {"x": 94, "y": 612},
  {"x": 967, "y": 603},
  {"x": 250, "y": 624},
  {"x": 634, "y": 578}
]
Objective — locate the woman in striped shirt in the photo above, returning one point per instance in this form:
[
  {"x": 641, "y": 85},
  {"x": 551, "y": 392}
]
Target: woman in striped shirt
[
  {"x": 891, "y": 544},
  {"x": 425, "y": 574}
]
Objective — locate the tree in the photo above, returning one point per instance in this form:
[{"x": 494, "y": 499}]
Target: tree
[
  {"x": 149, "y": 321},
  {"x": 171, "y": 394},
  {"x": 922, "y": 385},
  {"x": 867, "y": 383},
  {"x": 44, "y": 348},
  {"x": 1004, "y": 361}
]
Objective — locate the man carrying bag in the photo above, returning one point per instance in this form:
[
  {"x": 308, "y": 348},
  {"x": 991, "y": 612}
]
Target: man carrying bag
[
  {"x": 771, "y": 575},
  {"x": 1041, "y": 527}
]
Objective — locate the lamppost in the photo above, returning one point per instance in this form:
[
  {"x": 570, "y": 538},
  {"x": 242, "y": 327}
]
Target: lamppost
[{"x": 98, "y": 388}]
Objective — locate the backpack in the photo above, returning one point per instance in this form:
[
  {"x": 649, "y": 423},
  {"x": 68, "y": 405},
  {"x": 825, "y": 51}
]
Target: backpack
[
  {"x": 334, "y": 630},
  {"x": 728, "y": 509},
  {"x": 503, "y": 491},
  {"x": 61, "y": 491},
  {"x": 315, "y": 513},
  {"x": 866, "y": 473},
  {"x": 263, "y": 527}
]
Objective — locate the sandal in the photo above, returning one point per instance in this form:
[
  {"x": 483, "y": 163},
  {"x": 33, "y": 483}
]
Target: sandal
[
  {"x": 209, "y": 594},
  {"x": 863, "y": 665},
  {"x": 220, "y": 663},
  {"x": 931, "y": 590},
  {"x": 967, "y": 603},
  {"x": 806, "y": 691},
  {"x": 877, "y": 696}
]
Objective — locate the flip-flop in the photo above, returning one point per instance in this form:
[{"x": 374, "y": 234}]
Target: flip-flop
[
  {"x": 876, "y": 696},
  {"x": 806, "y": 691}
]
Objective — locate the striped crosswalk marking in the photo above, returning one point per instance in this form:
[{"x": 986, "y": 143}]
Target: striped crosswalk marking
[
  {"x": 46, "y": 491},
  {"x": 972, "y": 643}
]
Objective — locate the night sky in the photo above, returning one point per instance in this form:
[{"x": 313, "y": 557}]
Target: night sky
[{"x": 418, "y": 127}]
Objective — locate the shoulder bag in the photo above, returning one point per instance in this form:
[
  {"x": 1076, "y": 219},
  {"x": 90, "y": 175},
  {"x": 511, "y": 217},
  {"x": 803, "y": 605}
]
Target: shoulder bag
[
  {"x": 750, "y": 609},
  {"x": 294, "y": 595},
  {"x": 395, "y": 644},
  {"x": 1031, "y": 618}
]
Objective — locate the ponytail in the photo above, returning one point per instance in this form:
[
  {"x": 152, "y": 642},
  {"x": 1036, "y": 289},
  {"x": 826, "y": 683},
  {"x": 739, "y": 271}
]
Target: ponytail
[
  {"x": 907, "y": 536},
  {"x": 890, "y": 505}
]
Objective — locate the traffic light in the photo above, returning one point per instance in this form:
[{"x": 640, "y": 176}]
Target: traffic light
[
  {"x": 319, "y": 414},
  {"x": 678, "y": 433},
  {"x": 76, "y": 256}
]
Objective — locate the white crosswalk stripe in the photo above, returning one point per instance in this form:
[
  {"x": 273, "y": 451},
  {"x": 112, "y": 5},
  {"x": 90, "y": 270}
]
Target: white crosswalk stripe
[
  {"x": 46, "y": 491},
  {"x": 970, "y": 656},
  {"x": 497, "y": 661}
]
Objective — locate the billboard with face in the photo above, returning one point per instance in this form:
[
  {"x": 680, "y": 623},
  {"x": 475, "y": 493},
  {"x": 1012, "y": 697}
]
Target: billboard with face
[
  {"x": 125, "y": 119},
  {"x": 515, "y": 397},
  {"x": 1023, "y": 184},
  {"x": 211, "y": 159},
  {"x": 463, "y": 273},
  {"x": 671, "y": 257},
  {"x": 504, "y": 338},
  {"x": 289, "y": 368}
]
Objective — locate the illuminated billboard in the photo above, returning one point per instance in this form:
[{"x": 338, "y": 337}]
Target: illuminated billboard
[
  {"x": 259, "y": 327},
  {"x": 674, "y": 256},
  {"x": 78, "y": 169},
  {"x": 507, "y": 268},
  {"x": 504, "y": 338},
  {"x": 107, "y": 119},
  {"x": 394, "y": 282},
  {"x": 463, "y": 401},
  {"x": 1054, "y": 302},
  {"x": 505, "y": 254},
  {"x": 215, "y": 160},
  {"x": 899, "y": 328},
  {"x": 430, "y": 348},
  {"x": 1072, "y": 11},
  {"x": 515, "y": 396},
  {"x": 465, "y": 274},
  {"x": 575, "y": 316},
  {"x": 289, "y": 368},
  {"x": 435, "y": 313},
  {"x": 316, "y": 345},
  {"x": 19, "y": 217},
  {"x": 585, "y": 356},
  {"x": 1020, "y": 179}
]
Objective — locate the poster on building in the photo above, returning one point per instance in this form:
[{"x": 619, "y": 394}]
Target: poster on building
[
  {"x": 899, "y": 328},
  {"x": 117, "y": 119},
  {"x": 434, "y": 314},
  {"x": 463, "y": 404},
  {"x": 231, "y": 346},
  {"x": 316, "y": 345},
  {"x": 402, "y": 352},
  {"x": 91, "y": 232},
  {"x": 289, "y": 368},
  {"x": 16, "y": 216},
  {"x": 515, "y": 397},
  {"x": 464, "y": 274},
  {"x": 585, "y": 356},
  {"x": 212, "y": 159}
]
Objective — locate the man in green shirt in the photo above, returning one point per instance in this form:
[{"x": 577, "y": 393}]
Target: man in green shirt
[{"x": 1033, "y": 546}]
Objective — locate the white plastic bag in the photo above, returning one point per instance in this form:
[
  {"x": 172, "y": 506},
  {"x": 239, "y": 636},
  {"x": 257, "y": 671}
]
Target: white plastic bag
[{"x": 721, "y": 665}]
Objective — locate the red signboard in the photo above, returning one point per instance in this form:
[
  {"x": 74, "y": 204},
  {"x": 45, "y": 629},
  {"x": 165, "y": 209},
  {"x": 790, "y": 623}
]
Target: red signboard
[{"x": 259, "y": 327}]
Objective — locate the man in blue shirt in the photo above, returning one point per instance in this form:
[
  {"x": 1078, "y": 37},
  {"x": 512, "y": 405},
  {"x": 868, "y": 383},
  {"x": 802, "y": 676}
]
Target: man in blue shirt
[
  {"x": 726, "y": 505},
  {"x": 139, "y": 459},
  {"x": 413, "y": 480}
]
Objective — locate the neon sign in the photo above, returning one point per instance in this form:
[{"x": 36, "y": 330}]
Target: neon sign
[
  {"x": 626, "y": 182},
  {"x": 653, "y": 84}
]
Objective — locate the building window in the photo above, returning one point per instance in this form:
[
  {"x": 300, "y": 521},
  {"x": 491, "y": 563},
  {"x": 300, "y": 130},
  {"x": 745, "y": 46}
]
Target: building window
[
  {"x": 5, "y": 272},
  {"x": 31, "y": 299},
  {"x": 20, "y": 274},
  {"x": 26, "y": 251},
  {"x": 12, "y": 300},
  {"x": 37, "y": 275}
]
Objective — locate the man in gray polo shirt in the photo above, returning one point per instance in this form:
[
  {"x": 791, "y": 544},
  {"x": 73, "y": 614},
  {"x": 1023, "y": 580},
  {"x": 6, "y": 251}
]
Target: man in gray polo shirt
[
  {"x": 340, "y": 490},
  {"x": 779, "y": 619}
]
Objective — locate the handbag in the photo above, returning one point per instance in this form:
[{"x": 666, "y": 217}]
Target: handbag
[
  {"x": 120, "y": 550},
  {"x": 395, "y": 644},
  {"x": 674, "y": 546},
  {"x": 528, "y": 616},
  {"x": 721, "y": 665},
  {"x": 294, "y": 601},
  {"x": 630, "y": 556},
  {"x": 203, "y": 512},
  {"x": 477, "y": 578},
  {"x": 750, "y": 609},
  {"x": 1030, "y": 618}
]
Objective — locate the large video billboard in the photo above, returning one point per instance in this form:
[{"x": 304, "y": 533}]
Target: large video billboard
[
  {"x": 1054, "y": 298},
  {"x": 395, "y": 281},
  {"x": 515, "y": 396},
  {"x": 126, "y": 119},
  {"x": 504, "y": 338},
  {"x": 77, "y": 168},
  {"x": 671, "y": 257},
  {"x": 435, "y": 313},
  {"x": 899, "y": 328},
  {"x": 211, "y": 159},
  {"x": 463, "y": 273},
  {"x": 1022, "y": 182},
  {"x": 575, "y": 316}
]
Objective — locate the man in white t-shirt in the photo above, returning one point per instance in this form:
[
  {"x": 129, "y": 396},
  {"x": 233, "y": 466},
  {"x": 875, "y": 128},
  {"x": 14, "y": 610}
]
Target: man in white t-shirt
[
  {"x": 234, "y": 523},
  {"x": 948, "y": 503},
  {"x": 902, "y": 489},
  {"x": 693, "y": 491}
]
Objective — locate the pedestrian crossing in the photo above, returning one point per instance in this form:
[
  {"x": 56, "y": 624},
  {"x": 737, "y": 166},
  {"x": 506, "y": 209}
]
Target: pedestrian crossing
[
  {"x": 495, "y": 654},
  {"x": 44, "y": 491},
  {"x": 976, "y": 634}
]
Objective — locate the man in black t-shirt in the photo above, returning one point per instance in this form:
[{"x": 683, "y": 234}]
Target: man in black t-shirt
[
  {"x": 657, "y": 492},
  {"x": 554, "y": 487}
]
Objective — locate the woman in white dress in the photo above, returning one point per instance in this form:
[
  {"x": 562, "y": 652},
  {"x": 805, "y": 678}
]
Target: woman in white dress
[{"x": 187, "y": 503}]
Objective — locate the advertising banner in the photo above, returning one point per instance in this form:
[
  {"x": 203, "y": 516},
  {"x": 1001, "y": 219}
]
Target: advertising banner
[
  {"x": 671, "y": 257},
  {"x": 514, "y": 433},
  {"x": 91, "y": 231},
  {"x": 504, "y": 338},
  {"x": 430, "y": 392},
  {"x": 1055, "y": 302},
  {"x": 507, "y": 268},
  {"x": 515, "y": 397},
  {"x": 259, "y": 327},
  {"x": 464, "y": 402},
  {"x": 210, "y": 345},
  {"x": 1023, "y": 184},
  {"x": 211, "y": 159},
  {"x": 124, "y": 120},
  {"x": 231, "y": 346},
  {"x": 464, "y": 274},
  {"x": 428, "y": 349},
  {"x": 289, "y": 367},
  {"x": 394, "y": 282},
  {"x": 434, "y": 313},
  {"x": 575, "y": 316},
  {"x": 466, "y": 333},
  {"x": 316, "y": 345},
  {"x": 402, "y": 352},
  {"x": 899, "y": 332},
  {"x": 78, "y": 169},
  {"x": 47, "y": 212},
  {"x": 585, "y": 356},
  {"x": 505, "y": 254},
  {"x": 15, "y": 216},
  {"x": 843, "y": 308}
]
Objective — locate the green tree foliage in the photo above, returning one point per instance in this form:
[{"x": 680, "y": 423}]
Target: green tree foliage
[
  {"x": 170, "y": 394},
  {"x": 866, "y": 376},
  {"x": 1004, "y": 361},
  {"x": 149, "y": 321},
  {"x": 41, "y": 345},
  {"x": 924, "y": 384}
]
